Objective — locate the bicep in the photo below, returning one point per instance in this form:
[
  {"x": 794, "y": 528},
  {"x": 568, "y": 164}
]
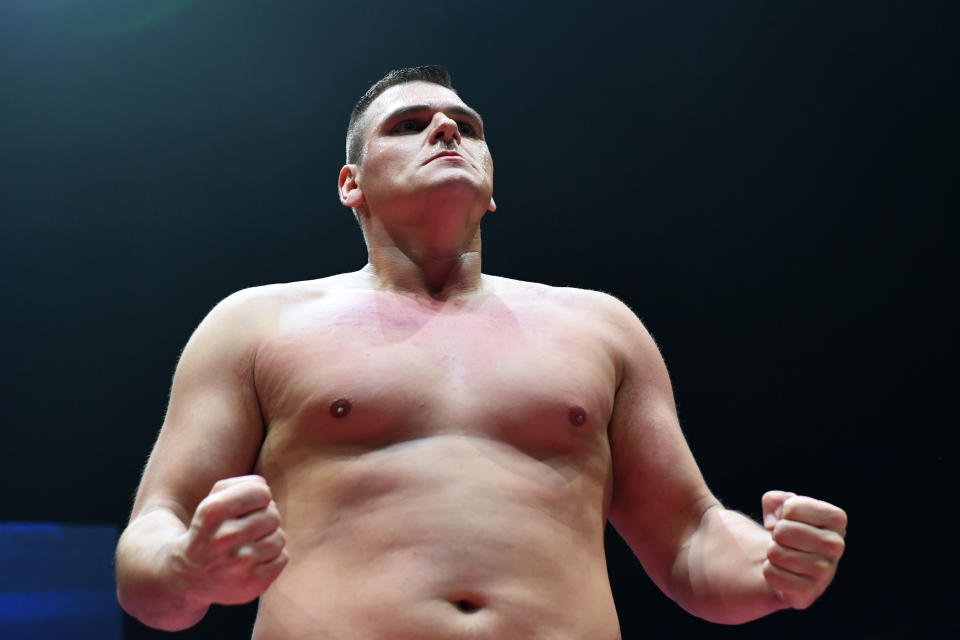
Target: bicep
[
  {"x": 213, "y": 426},
  {"x": 659, "y": 493}
]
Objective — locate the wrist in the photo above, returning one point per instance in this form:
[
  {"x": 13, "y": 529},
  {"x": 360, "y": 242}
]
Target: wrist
[
  {"x": 152, "y": 583},
  {"x": 182, "y": 579}
]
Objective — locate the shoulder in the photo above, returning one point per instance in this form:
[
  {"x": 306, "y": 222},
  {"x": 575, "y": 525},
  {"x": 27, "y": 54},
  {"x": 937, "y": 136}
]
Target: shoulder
[
  {"x": 233, "y": 331},
  {"x": 545, "y": 292},
  {"x": 258, "y": 304},
  {"x": 242, "y": 321},
  {"x": 592, "y": 305},
  {"x": 602, "y": 313}
]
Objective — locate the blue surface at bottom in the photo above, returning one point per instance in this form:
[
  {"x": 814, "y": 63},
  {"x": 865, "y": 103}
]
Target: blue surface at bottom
[{"x": 58, "y": 582}]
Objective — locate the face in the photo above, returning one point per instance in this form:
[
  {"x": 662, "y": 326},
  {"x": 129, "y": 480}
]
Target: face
[{"x": 424, "y": 147}]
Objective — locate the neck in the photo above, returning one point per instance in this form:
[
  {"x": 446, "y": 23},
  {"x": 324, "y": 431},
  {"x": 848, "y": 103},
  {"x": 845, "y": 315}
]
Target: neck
[{"x": 437, "y": 273}]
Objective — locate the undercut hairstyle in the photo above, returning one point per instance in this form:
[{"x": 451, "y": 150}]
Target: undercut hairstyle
[{"x": 432, "y": 73}]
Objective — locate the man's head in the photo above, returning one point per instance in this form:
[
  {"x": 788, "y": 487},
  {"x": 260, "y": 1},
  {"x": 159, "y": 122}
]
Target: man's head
[{"x": 417, "y": 158}]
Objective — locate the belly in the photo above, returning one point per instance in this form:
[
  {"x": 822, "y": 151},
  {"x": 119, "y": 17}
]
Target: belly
[{"x": 447, "y": 537}]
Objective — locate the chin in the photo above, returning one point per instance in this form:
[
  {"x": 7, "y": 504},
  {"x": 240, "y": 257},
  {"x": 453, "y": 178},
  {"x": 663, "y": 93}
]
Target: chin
[{"x": 462, "y": 187}]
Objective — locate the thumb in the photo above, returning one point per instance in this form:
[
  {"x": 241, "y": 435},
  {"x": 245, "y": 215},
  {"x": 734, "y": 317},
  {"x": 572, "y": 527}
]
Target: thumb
[
  {"x": 772, "y": 502},
  {"x": 226, "y": 483}
]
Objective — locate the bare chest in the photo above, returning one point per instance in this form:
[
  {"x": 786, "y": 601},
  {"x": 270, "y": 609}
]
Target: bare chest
[{"x": 371, "y": 369}]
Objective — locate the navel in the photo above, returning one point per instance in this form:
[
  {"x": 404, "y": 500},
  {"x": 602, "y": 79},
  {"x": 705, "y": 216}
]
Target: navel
[
  {"x": 340, "y": 408},
  {"x": 467, "y": 606},
  {"x": 468, "y": 603},
  {"x": 577, "y": 415}
]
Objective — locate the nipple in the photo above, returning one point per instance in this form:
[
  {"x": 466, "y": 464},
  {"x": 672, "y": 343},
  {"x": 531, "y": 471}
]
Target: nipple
[
  {"x": 577, "y": 416},
  {"x": 340, "y": 408}
]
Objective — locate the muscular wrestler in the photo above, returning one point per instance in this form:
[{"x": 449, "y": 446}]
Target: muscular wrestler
[{"x": 421, "y": 451}]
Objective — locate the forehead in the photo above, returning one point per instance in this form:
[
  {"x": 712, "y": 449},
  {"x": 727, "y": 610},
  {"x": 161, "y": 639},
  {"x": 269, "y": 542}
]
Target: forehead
[{"x": 409, "y": 93}]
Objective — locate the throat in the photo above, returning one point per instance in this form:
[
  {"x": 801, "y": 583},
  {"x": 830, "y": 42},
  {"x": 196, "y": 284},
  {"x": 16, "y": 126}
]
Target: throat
[{"x": 436, "y": 276}]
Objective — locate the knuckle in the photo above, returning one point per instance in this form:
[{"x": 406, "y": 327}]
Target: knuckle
[
  {"x": 776, "y": 553},
  {"x": 279, "y": 540},
  {"x": 260, "y": 495},
  {"x": 835, "y": 547},
  {"x": 193, "y": 555},
  {"x": 768, "y": 571},
  {"x": 823, "y": 567},
  {"x": 274, "y": 547},
  {"x": 272, "y": 520},
  {"x": 228, "y": 533},
  {"x": 781, "y": 531},
  {"x": 209, "y": 510},
  {"x": 795, "y": 598},
  {"x": 223, "y": 541},
  {"x": 270, "y": 570}
]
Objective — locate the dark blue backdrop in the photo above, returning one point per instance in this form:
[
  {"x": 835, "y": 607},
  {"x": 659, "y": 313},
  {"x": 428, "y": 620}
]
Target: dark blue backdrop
[{"x": 771, "y": 186}]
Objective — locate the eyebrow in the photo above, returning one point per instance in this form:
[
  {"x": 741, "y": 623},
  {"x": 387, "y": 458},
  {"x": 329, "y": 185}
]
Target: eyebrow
[{"x": 448, "y": 109}]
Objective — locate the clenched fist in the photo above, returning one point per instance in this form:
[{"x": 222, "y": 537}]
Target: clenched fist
[
  {"x": 234, "y": 547},
  {"x": 807, "y": 541}
]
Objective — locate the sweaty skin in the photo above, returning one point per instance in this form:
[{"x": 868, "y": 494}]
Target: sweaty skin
[{"x": 442, "y": 470}]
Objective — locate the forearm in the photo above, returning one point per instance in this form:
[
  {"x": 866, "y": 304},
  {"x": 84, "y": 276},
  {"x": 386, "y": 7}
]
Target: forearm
[
  {"x": 718, "y": 572},
  {"x": 148, "y": 584}
]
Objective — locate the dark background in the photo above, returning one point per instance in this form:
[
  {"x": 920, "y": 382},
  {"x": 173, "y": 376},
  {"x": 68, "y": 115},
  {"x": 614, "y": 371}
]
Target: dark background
[{"x": 772, "y": 187}]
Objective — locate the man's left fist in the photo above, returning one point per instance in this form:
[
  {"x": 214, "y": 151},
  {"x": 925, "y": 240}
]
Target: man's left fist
[{"x": 807, "y": 541}]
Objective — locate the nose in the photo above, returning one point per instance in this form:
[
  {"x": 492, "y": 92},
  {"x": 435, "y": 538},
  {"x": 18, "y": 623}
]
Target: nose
[{"x": 444, "y": 129}]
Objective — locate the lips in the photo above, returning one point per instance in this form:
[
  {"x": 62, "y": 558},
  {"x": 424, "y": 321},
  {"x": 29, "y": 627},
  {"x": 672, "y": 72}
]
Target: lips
[{"x": 444, "y": 154}]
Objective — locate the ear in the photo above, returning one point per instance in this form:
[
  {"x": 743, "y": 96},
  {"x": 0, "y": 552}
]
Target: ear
[
  {"x": 493, "y": 205},
  {"x": 351, "y": 195}
]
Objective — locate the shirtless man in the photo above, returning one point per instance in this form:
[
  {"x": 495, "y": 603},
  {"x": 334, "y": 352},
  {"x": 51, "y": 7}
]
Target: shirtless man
[{"x": 436, "y": 451}]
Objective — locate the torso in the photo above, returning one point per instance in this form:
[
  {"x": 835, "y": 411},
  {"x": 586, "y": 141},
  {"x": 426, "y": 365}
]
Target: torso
[{"x": 442, "y": 470}]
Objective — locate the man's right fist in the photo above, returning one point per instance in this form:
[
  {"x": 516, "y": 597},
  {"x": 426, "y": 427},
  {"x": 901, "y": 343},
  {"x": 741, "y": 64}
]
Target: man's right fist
[{"x": 234, "y": 547}]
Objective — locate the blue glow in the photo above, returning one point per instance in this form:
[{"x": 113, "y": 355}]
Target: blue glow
[
  {"x": 47, "y": 605},
  {"x": 30, "y": 527}
]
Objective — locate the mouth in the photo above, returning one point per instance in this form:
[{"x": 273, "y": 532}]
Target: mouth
[{"x": 444, "y": 154}]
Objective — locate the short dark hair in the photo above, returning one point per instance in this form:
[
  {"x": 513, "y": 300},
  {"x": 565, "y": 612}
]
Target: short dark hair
[{"x": 432, "y": 73}]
